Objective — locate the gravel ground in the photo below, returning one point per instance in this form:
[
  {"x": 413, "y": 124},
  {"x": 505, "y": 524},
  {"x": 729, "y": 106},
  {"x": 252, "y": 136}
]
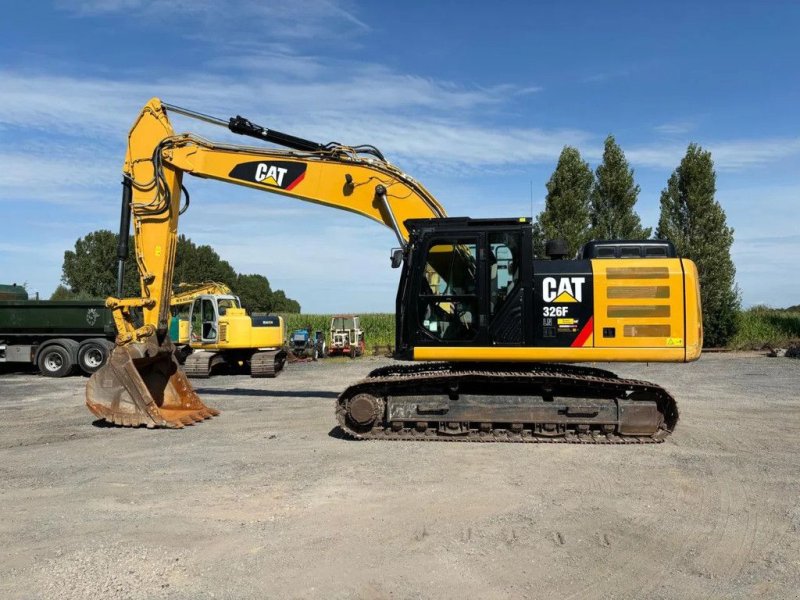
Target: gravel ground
[{"x": 267, "y": 501}]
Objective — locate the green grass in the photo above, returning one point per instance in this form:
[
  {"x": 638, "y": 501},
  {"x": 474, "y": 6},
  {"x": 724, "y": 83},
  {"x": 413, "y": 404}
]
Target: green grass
[
  {"x": 378, "y": 327},
  {"x": 760, "y": 327}
]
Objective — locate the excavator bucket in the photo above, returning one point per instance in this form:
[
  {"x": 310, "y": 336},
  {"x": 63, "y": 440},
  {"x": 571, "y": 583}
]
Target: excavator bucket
[{"x": 142, "y": 385}]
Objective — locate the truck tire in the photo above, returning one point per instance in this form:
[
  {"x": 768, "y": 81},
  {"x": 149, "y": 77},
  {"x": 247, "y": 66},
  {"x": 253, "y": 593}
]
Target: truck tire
[
  {"x": 92, "y": 355},
  {"x": 55, "y": 361}
]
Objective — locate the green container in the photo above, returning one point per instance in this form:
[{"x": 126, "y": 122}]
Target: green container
[{"x": 65, "y": 318}]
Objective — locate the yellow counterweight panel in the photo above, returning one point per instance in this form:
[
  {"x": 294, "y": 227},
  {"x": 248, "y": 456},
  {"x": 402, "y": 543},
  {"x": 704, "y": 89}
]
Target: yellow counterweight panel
[
  {"x": 642, "y": 301},
  {"x": 694, "y": 311}
]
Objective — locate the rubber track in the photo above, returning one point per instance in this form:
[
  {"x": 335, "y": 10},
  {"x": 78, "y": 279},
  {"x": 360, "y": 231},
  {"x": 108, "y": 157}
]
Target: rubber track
[
  {"x": 379, "y": 381},
  {"x": 198, "y": 364},
  {"x": 267, "y": 363}
]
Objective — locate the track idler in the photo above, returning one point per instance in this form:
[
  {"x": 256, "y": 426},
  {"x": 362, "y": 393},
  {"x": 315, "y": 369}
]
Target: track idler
[{"x": 142, "y": 385}]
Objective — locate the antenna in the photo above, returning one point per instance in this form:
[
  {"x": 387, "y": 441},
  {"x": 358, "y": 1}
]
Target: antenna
[{"x": 531, "y": 200}]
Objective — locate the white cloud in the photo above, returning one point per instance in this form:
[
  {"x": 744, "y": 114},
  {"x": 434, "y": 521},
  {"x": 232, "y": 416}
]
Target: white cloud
[
  {"x": 97, "y": 7},
  {"x": 674, "y": 128},
  {"x": 215, "y": 20},
  {"x": 415, "y": 120},
  {"x": 53, "y": 172},
  {"x": 403, "y": 115},
  {"x": 730, "y": 155}
]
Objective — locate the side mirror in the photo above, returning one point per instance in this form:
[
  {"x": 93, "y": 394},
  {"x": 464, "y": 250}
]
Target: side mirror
[{"x": 397, "y": 257}]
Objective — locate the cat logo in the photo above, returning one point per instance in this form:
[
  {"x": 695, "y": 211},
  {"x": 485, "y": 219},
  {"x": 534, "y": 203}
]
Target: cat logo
[
  {"x": 281, "y": 174},
  {"x": 563, "y": 289},
  {"x": 270, "y": 174}
]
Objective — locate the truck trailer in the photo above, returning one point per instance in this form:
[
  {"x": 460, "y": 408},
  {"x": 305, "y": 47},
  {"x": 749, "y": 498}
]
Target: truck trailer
[{"x": 58, "y": 336}]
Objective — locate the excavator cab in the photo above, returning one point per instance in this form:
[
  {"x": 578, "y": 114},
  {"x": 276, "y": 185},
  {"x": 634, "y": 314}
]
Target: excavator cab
[
  {"x": 471, "y": 290},
  {"x": 205, "y": 314},
  {"x": 461, "y": 285}
]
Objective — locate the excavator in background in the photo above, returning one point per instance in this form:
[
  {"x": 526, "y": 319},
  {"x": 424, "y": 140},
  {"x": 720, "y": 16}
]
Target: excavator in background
[
  {"x": 211, "y": 330},
  {"x": 500, "y": 323},
  {"x": 183, "y": 296}
]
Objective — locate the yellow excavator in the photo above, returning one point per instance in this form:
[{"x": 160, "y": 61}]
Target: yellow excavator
[
  {"x": 210, "y": 329},
  {"x": 495, "y": 325}
]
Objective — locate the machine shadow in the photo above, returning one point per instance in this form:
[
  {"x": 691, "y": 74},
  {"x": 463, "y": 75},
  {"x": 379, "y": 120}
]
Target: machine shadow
[
  {"x": 267, "y": 393},
  {"x": 338, "y": 433}
]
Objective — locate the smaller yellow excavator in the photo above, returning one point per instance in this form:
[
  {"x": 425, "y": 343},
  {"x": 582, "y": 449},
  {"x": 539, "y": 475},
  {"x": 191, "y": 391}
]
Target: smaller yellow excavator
[{"x": 211, "y": 331}]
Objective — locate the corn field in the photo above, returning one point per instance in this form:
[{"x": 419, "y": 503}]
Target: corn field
[{"x": 378, "y": 327}]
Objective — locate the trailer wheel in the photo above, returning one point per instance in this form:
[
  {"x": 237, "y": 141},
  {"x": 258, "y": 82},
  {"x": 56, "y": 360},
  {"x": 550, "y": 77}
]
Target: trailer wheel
[
  {"x": 92, "y": 355},
  {"x": 54, "y": 361}
]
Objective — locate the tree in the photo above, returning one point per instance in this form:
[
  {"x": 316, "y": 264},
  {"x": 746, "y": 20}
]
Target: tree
[
  {"x": 566, "y": 210},
  {"x": 613, "y": 197},
  {"x": 695, "y": 222},
  {"x": 62, "y": 292},
  {"x": 256, "y": 295},
  {"x": 282, "y": 304},
  {"x": 195, "y": 264},
  {"x": 254, "y": 292},
  {"x": 90, "y": 271}
]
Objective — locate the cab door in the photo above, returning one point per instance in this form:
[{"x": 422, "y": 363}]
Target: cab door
[
  {"x": 448, "y": 307},
  {"x": 209, "y": 319},
  {"x": 506, "y": 289}
]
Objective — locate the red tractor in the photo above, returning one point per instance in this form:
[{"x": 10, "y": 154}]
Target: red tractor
[{"x": 347, "y": 337}]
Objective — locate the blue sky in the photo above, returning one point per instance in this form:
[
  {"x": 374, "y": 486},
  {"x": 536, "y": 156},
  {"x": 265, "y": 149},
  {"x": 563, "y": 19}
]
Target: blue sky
[{"x": 476, "y": 100}]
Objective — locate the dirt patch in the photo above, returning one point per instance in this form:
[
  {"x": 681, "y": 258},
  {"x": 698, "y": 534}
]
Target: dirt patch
[{"x": 268, "y": 501}]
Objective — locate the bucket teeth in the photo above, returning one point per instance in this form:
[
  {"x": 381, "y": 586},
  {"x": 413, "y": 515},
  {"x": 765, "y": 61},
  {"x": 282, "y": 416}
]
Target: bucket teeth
[{"x": 142, "y": 385}]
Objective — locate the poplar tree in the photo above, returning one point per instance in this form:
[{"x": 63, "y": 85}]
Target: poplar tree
[
  {"x": 566, "y": 208},
  {"x": 614, "y": 195},
  {"x": 695, "y": 222}
]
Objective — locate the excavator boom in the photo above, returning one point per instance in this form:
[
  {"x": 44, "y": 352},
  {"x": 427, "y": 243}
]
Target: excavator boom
[
  {"x": 142, "y": 384},
  {"x": 186, "y": 293}
]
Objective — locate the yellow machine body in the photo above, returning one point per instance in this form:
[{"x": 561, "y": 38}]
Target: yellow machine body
[{"x": 652, "y": 305}]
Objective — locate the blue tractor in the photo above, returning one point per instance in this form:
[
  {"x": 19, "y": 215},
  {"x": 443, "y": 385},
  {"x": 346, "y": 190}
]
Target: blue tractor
[{"x": 306, "y": 344}]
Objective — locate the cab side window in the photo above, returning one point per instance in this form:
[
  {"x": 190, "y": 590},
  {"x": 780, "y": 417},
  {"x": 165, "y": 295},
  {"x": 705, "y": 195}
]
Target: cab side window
[
  {"x": 196, "y": 327},
  {"x": 448, "y": 301},
  {"x": 209, "y": 320},
  {"x": 504, "y": 262}
]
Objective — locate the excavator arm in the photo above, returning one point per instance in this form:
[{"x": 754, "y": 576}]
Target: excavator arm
[
  {"x": 186, "y": 293},
  {"x": 141, "y": 385}
]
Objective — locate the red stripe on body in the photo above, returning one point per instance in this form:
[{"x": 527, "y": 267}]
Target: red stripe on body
[
  {"x": 296, "y": 181},
  {"x": 584, "y": 334}
]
